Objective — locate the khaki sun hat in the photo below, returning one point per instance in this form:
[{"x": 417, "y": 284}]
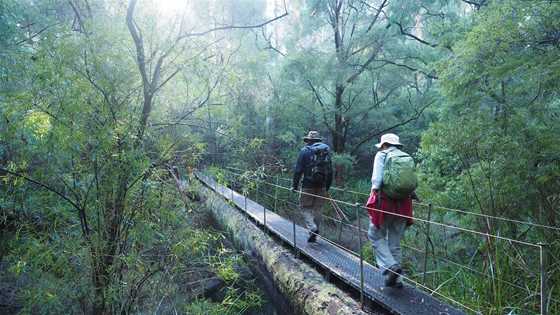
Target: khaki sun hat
[
  {"x": 313, "y": 135},
  {"x": 389, "y": 138}
]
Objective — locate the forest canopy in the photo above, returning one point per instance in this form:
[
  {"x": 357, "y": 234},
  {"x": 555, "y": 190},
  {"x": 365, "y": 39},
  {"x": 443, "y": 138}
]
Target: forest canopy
[{"x": 100, "y": 100}]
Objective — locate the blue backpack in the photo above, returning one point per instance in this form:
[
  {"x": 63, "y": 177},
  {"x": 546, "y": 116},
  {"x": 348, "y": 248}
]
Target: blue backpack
[{"x": 321, "y": 165}]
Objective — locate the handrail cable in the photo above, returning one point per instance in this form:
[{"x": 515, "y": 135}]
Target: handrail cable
[
  {"x": 404, "y": 245},
  {"x": 421, "y": 220},
  {"x": 404, "y": 216},
  {"x": 437, "y": 207},
  {"x": 408, "y": 279},
  {"x": 354, "y": 227}
]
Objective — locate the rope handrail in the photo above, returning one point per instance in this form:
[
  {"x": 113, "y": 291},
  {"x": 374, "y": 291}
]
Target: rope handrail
[
  {"x": 405, "y": 216},
  {"x": 436, "y": 207}
]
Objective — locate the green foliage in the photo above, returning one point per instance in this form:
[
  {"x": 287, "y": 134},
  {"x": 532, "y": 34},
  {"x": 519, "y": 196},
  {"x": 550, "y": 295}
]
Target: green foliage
[
  {"x": 231, "y": 305},
  {"x": 500, "y": 87},
  {"x": 89, "y": 217},
  {"x": 344, "y": 159},
  {"x": 504, "y": 154}
]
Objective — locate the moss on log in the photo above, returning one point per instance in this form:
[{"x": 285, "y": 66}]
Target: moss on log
[{"x": 304, "y": 286}]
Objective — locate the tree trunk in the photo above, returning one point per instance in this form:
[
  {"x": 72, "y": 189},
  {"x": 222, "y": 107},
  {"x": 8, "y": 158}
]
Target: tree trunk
[
  {"x": 291, "y": 277},
  {"x": 339, "y": 141},
  {"x": 99, "y": 286},
  {"x": 104, "y": 249}
]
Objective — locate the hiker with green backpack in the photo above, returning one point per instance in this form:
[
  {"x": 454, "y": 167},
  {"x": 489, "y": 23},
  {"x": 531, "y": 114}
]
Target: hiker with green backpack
[{"x": 393, "y": 183}]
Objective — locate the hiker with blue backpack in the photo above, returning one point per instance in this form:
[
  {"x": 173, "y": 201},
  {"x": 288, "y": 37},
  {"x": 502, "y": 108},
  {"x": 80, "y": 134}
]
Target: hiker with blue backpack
[
  {"x": 393, "y": 184},
  {"x": 314, "y": 164}
]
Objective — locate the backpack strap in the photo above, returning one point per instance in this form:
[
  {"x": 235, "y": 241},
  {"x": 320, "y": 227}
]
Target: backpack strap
[{"x": 381, "y": 187}]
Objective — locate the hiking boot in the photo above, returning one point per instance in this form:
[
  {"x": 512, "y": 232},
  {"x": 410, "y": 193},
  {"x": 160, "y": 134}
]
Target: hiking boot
[
  {"x": 392, "y": 275},
  {"x": 312, "y": 236}
]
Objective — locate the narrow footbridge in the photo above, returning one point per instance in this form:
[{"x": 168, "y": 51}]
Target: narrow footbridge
[{"x": 347, "y": 267}]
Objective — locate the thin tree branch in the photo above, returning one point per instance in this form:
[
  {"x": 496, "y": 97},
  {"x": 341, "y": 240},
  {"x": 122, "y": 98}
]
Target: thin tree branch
[
  {"x": 81, "y": 210},
  {"x": 269, "y": 42},
  {"x": 381, "y": 7},
  {"x": 376, "y": 104},
  {"x": 229, "y": 27},
  {"x": 318, "y": 97},
  {"x": 38, "y": 183},
  {"x": 78, "y": 16},
  {"x": 431, "y": 76},
  {"x": 138, "y": 42},
  {"x": 376, "y": 133},
  {"x": 364, "y": 66},
  {"x": 173, "y": 74},
  {"x": 193, "y": 110},
  {"x": 476, "y": 4},
  {"x": 418, "y": 39},
  {"x": 133, "y": 295},
  {"x": 36, "y": 34}
]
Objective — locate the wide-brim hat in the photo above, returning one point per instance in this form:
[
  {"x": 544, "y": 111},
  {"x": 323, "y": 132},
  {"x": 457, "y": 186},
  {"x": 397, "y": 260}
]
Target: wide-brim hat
[
  {"x": 313, "y": 135},
  {"x": 389, "y": 138}
]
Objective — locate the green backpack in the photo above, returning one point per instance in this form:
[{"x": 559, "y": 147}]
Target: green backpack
[{"x": 399, "y": 175}]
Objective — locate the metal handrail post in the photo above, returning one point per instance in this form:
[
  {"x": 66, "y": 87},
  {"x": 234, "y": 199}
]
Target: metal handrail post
[
  {"x": 426, "y": 244},
  {"x": 264, "y": 215},
  {"x": 257, "y": 191},
  {"x": 245, "y": 195},
  {"x": 361, "y": 255},
  {"x": 227, "y": 183},
  {"x": 276, "y": 194},
  {"x": 339, "y": 230},
  {"x": 544, "y": 293},
  {"x": 231, "y": 188},
  {"x": 294, "y": 232},
  {"x": 294, "y": 227}
]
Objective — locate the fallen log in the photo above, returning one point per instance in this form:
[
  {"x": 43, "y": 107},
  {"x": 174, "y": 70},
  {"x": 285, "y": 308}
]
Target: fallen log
[{"x": 305, "y": 288}]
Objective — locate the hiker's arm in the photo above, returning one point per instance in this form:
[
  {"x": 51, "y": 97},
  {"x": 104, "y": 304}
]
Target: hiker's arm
[
  {"x": 377, "y": 174},
  {"x": 298, "y": 171}
]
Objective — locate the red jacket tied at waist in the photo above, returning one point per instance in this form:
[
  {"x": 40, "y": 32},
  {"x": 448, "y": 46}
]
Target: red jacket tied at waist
[{"x": 402, "y": 207}]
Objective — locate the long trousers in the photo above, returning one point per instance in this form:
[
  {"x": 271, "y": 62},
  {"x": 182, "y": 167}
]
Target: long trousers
[
  {"x": 311, "y": 207},
  {"x": 386, "y": 241}
]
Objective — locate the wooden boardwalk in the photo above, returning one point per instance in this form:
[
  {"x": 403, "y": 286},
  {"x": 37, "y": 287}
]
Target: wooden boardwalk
[{"x": 340, "y": 263}]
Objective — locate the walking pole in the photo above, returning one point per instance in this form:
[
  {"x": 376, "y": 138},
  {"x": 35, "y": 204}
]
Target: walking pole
[
  {"x": 544, "y": 293},
  {"x": 426, "y": 245},
  {"x": 361, "y": 255}
]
